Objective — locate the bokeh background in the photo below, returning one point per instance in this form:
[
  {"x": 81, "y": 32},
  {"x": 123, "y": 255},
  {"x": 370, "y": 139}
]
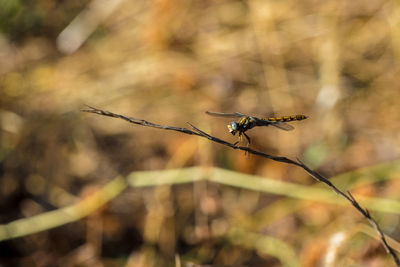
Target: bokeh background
[{"x": 168, "y": 62}]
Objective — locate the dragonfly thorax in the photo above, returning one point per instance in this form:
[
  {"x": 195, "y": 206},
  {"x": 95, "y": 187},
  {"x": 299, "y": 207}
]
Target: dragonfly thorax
[{"x": 243, "y": 124}]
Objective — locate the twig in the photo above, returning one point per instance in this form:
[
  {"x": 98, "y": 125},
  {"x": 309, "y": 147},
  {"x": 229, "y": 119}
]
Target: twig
[{"x": 314, "y": 174}]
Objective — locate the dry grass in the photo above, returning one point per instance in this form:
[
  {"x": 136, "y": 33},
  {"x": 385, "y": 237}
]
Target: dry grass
[{"x": 168, "y": 62}]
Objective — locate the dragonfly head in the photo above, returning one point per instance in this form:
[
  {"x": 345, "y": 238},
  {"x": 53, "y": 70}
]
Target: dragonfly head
[{"x": 233, "y": 127}]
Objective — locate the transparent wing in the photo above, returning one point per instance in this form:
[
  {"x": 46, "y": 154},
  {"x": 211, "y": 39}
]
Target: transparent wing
[
  {"x": 226, "y": 115},
  {"x": 282, "y": 125}
]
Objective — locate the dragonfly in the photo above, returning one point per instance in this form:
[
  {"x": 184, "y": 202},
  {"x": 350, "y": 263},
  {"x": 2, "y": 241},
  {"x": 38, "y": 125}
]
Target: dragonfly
[{"x": 246, "y": 122}]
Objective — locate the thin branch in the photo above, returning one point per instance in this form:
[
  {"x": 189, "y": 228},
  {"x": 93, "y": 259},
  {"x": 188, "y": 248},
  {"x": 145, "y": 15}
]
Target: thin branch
[{"x": 314, "y": 174}]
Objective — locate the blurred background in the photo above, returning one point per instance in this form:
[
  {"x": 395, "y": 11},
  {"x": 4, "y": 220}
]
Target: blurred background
[{"x": 168, "y": 62}]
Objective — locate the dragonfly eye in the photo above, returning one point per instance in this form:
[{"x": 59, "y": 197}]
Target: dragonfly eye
[{"x": 233, "y": 127}]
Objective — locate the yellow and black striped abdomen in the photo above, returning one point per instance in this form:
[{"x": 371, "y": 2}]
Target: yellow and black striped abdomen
[{"x": 288, "y": 118}]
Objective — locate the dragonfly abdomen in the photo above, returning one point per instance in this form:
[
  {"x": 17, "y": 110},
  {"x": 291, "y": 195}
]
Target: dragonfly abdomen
[{"x": 288, "y": 118}]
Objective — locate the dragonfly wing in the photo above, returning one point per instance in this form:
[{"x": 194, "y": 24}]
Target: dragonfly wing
[
  {"x": 226, "y": 115},
  {"x": 282, "y": 125}
]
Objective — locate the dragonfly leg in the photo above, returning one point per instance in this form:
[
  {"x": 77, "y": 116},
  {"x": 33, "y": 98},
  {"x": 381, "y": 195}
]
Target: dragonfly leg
[
  {"x": 238, "y": 141},
  {"x": 248, "y": 143},
  {"x": 248, "y": 139}
]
